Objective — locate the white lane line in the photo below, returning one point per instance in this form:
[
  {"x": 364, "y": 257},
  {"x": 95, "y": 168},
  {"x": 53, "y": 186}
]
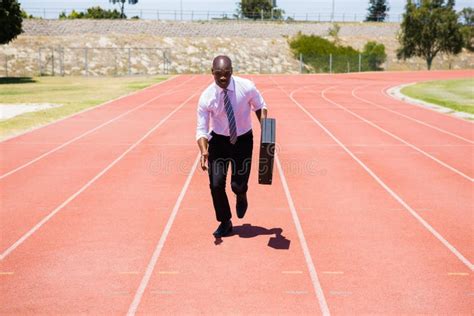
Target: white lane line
[
  {"x": 323, "y": 305},
  {"x": 395, "y": 136},
  {"x": 88, "y": 184},
  {"x": 89, "y": 109},
  {"x": 386, "y": 187},
  {"x": 156, "y": 254},
  {"x": 89, "y": 132},
  {"x": 406, "y": 116}
]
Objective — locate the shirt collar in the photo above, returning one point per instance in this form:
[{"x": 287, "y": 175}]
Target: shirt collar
[{"x": 230, "y": 87}]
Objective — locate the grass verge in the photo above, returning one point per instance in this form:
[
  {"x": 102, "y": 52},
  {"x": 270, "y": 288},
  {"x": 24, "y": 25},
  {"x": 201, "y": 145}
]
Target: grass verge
[
  {"x": 457, "y": 94},
  {"x": 73, "y": 93}
]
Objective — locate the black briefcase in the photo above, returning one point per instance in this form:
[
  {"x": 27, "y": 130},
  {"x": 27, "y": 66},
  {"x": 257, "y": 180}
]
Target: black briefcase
[{"x": 267, "y": 151}]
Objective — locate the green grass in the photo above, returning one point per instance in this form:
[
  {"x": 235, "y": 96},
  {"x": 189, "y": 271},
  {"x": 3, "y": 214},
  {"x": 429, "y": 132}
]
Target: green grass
[
  {"x": 74, "y": 93},
  {"x": 457, "y": 95}
]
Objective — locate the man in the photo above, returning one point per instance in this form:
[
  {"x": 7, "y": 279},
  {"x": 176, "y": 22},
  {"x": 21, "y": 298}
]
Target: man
[{"x": 225, "y": 109}]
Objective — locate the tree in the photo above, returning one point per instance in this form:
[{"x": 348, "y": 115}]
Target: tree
[
  {"x": 429, "y": 28},
  {"x": 253, "y": 9},
  {"x": 467, "y": 28},
  {"x": 122, "y": 5},
  {"x": 377, "y": 11},
  {"x": 10, "y": 20}
]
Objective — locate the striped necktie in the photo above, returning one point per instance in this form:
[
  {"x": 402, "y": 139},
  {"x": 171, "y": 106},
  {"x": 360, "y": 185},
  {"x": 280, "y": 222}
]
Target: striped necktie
[{"x": 231, "y": 118}]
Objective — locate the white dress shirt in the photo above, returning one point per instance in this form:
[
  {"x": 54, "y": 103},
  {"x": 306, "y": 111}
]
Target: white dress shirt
[{"x": 211, "y": 114}]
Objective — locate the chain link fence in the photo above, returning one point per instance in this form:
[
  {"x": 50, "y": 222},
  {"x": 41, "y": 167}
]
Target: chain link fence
[
  {"x": 340, "y": 64},
  {"x": 129, "y": 61},
  {"x": 197, "y": 15},
  {"x": 86, "y": 61}
]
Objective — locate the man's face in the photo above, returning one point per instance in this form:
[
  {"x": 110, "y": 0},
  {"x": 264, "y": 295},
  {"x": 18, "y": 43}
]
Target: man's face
[{"x": 222, "y": 74}]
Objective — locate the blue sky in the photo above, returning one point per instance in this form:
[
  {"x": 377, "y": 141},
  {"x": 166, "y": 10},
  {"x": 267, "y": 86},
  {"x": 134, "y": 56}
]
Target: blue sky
[{"x": 350, "y": 8}]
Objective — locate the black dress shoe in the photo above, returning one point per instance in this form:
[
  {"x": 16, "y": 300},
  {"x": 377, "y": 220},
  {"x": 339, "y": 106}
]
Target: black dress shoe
[
  {"x": 223, "y": 229},
  {"x": 242, "y": 205}
]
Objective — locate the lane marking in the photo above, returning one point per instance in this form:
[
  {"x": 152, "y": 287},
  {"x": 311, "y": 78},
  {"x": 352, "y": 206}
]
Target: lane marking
[
  {"x": 323, "y": 305},
  {"x": 385, "y": 186},
  {"x": 296, "y": 292},
  {"x": 394, "y": 136},
  {"x": 458, "y": 273},
  {"x": 340, "y": 293},
  {"x": 406, "y": 116},
  {"x": 121, "y": 293},
  {"x": 156, "y": 254},
  {"x": 90, "y": 109},
  {"x": 333, "y": 272},
  {"x": 90, "y": 182},
  {"x": 7, "y": 273},
  {"x": 162, "y": 292},
  {"x": 87, "y": 133}
]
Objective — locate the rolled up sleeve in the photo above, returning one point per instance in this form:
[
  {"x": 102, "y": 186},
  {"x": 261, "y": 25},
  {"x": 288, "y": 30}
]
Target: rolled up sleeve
[
  {"x": 256, "y": 100},
  {"x": 203, "y": 114}
]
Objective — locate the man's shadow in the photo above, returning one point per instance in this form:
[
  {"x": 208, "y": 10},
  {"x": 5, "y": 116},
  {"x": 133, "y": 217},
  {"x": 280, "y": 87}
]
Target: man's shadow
[{"x": 248, "y": 231}]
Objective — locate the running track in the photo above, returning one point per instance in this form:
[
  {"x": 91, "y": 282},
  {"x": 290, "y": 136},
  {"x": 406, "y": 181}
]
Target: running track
[{"x": 371, "y": 210}]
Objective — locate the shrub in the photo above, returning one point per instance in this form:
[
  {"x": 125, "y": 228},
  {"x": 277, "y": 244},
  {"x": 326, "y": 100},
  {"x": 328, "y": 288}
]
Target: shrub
[
  {"x": 373, "y": 56},
  {"x": 316, "y": 51},
  {"x": 92, "y": 13}
]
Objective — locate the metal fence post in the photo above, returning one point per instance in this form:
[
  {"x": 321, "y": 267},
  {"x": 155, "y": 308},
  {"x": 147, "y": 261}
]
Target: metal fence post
[
  {"x": 129, "y": 61},
  {"x": 301, "y": 63},
  {"x": 86, "y": 63},
  {"x": 261, "y": 12},
  {"x": 40, "y": 71},
  {"x": 115, "y": 61},
  {"x": 360, "y": 62},
  {"x": 330, "y": 63},
  {"x": 52, "y": 61},
  {"x": 348, "y": 66},
  {"x": 61, "y": 61}
]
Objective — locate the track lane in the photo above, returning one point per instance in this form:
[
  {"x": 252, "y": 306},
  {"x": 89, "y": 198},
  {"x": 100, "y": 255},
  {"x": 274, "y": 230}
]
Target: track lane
[
  {"x": 90, "y": 256},
  {"x": 21, "y": 150},
  {"x": 375, "y": 88},
  {"x": 373, "y": 257},
  {"x": 416, "y": 136},
  {"x": 50, "y": 183},
  {"x": 409, "y": 174},
  {"x": 241, "y": 275},
  {"x": 95, "y": 267}
]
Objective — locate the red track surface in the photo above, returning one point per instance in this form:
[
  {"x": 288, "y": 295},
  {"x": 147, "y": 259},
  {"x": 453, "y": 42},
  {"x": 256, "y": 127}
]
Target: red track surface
[{"x": 371, "y": 210}]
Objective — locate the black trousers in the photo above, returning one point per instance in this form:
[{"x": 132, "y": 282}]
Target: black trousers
[{"x": 221, "y": 154}]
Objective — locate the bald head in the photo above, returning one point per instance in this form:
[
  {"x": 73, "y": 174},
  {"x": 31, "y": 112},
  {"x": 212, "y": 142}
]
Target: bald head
[
  {"x": 221, "y": 61},
  {"x": 222, "y": 71}
]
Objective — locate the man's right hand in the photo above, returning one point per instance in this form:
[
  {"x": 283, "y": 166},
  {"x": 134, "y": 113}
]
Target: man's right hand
[
  {"x": 204, "y": 157},
  {"x": 203, "y": 148}
]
